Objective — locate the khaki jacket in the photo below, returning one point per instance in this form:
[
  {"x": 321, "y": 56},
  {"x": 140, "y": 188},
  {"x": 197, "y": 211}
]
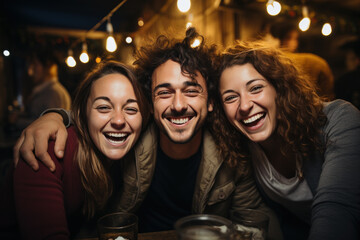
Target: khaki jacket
[{"x": 219, "y": 189}]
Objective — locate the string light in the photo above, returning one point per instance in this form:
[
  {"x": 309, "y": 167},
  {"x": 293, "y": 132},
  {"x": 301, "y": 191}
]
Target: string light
[
  {"x": 304, "y": 24},
  {"x": 110, "y": 41},
  {"x": 183, "y": 5},
  {"x": 190, "y": 19},
  {"x": 84, "y": 57},
  {"x": 196, "y": 43},
  {"x": 6, "y": 53},
  {"x": 70, "y": 60},
  {"x": 140, "y": 22},
  {"x": 326, "y": 29},
  {"x": 128, "y": 40},
  {"x": 273, "y": 7}
]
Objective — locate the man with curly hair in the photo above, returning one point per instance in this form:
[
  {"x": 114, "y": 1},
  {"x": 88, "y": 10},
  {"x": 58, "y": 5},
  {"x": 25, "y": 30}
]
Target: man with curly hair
[{"x": 176, "y": 168}]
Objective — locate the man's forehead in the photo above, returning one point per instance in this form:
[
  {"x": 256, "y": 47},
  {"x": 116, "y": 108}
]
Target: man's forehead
[{"x": 179, "y": 79}]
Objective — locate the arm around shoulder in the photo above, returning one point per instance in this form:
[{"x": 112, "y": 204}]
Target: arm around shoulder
[{"x": 34, "y": 139}]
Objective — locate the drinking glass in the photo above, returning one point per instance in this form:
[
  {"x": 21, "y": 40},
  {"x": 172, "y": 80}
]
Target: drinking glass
[
  {"x": 118, "y": 226},
  {"x": 250, "y": 224},
  {"x": 203, "y": 227}
]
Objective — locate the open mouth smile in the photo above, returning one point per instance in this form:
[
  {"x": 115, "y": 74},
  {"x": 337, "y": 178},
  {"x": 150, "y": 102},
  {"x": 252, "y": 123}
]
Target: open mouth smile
[
  {"x": 179, "y": 120},
  {"x": 116, "y": 138},
  {"x": 253, "y": 120}
]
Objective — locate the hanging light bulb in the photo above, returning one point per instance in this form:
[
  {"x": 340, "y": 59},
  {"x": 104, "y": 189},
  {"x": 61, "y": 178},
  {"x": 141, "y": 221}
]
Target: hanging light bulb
[
  {"x": 84, "y": 57},
  {"x": 196, "y": 42},
  {"x": 326, "y": 29},
  {"x": 128, "y": 40},
  {"x": 140, "y": 22},
  {"x": 183, "y": 5},
  {"x": 6, "y": 53},
  {"x": 304, "y": 24},
  {"x": 110, "y": 41},
  {"x": 273, "y": 7},
  {"x": 70, "y": 60},
  {"x": 190, "y": 20}
]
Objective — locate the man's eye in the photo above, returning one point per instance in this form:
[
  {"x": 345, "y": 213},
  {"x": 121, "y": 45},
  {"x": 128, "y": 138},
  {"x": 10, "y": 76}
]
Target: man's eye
[
  {"x": 163, "y": 93},
  {"x": 192, "y": 92}
]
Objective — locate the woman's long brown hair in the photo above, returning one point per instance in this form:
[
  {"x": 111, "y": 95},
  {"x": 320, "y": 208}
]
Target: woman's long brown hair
[{"x": 94, "y": 167}]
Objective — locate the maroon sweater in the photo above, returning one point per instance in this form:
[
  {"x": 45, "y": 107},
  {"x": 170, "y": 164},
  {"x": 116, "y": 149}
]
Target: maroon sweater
[{"x": 48, "y": 205}]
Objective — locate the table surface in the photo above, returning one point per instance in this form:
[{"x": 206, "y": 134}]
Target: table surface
[{"x": 164, "y": 235}]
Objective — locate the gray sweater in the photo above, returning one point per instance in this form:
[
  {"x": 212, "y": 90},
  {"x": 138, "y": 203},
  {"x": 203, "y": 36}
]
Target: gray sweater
[{"x": 334, "y": 179}]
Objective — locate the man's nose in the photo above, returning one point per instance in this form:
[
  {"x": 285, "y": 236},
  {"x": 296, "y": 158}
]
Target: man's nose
[{"x": 179, "y": 102}]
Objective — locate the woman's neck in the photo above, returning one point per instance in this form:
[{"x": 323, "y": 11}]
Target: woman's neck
[{"x": 283, "y": 161}]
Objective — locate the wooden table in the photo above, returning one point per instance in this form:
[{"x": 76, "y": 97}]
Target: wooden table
[{"x": 165, "y": 235}]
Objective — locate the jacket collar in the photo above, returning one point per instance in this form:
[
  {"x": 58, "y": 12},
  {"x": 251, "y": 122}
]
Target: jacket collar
[
  {"x": 209, "y": 166},
  {"x": 143, "y": 170}
]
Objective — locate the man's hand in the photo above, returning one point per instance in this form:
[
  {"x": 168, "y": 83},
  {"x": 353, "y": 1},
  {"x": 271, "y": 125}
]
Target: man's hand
[{"x": 35, "y": 139}]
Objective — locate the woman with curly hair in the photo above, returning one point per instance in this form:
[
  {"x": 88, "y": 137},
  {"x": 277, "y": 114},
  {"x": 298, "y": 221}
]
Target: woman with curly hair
[{"x": 304, "y": 152}]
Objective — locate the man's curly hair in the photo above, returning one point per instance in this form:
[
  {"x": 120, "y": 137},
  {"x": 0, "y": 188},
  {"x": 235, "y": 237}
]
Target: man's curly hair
[
  {"x": 191, "y": 59},
  {"x": 299, "y": 108}
]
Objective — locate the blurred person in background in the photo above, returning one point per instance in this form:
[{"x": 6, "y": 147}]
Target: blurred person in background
[
  {"x": 312, "y": 65},
  {"x": 347, "y": 86},
  {"x": 47, "y": 91}
]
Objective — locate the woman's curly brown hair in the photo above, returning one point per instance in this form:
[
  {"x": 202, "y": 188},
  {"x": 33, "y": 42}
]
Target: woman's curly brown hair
[{"x": 299, "y": 108}]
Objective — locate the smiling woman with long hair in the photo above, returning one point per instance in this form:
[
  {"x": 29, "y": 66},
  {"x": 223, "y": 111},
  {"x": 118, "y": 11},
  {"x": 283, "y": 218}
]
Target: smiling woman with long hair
[
  {"x": 304, "y": 151},
  {"x": 109, "y": 112}
]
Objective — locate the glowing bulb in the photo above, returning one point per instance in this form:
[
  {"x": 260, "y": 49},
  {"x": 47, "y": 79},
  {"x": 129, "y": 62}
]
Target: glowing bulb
[
  {"x": 183, "y": 5},
  {"x": 84, "y": 57},
  {"x": 70, "y": 60},
  {"x": 6, "y": 53},
  {"x": 188, "y": 24},
  {"x": 304, "y": 24},
  {"x": 326, "y": 29},
  {"x": 128, "y": 40},
  {"x": 110, "y": 41},
  {"x": 111, "y": 44},
  {"x": 97, "y": 59},
  {"x": 196, "y": 43},
  {"x": 140, "y": 22},
  {"x": 273, "y": 7}
]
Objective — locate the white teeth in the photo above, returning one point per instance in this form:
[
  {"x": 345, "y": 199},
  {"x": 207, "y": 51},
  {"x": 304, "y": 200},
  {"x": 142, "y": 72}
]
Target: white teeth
[
  {"x": 179, "y": 120},
  {"x": 116, "y": 142},
  {"x": 253, "y": 118},
  {"x": 116, "y": 138},
  {"x": 116, "y": 134}
]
